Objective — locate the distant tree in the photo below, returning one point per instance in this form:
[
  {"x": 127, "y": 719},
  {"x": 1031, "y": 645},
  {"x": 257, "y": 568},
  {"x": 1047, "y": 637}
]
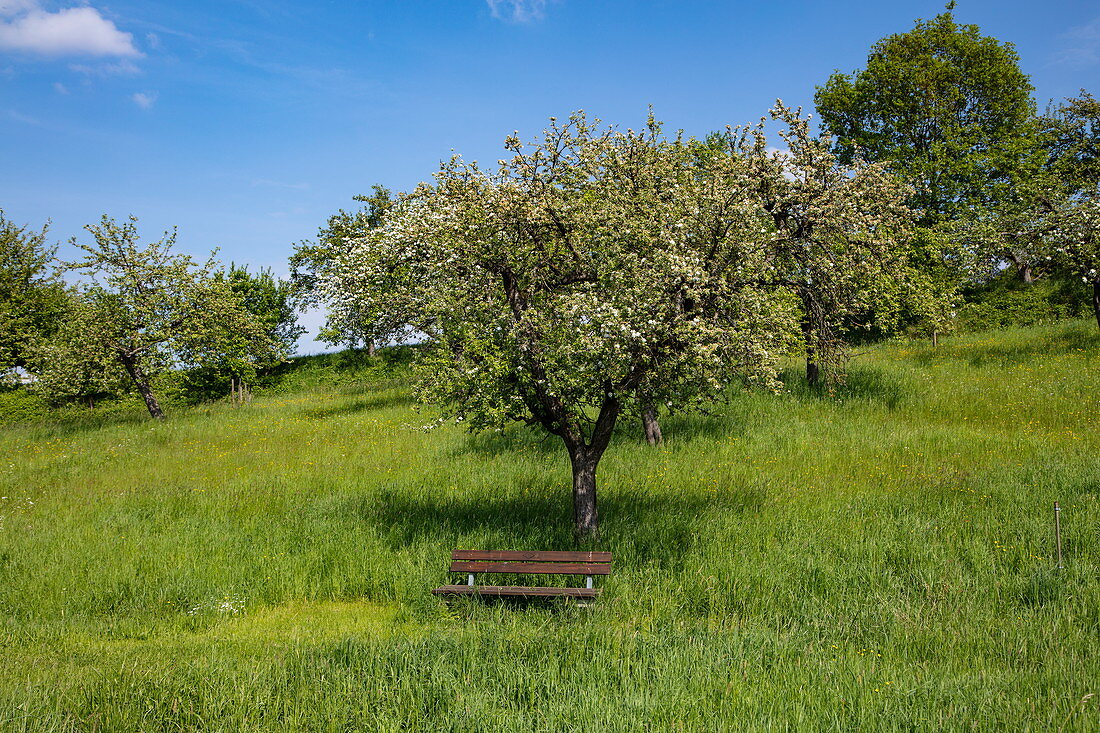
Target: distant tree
[
  {"x": 1071, "y": 225},
  {"x": 946, "y": 107},
  {"x": 71, "y": 366},
  {"x": 272, "y": 302},
  {"x": 1071, "y": 134},
  {"x": 592, "y": 272},
  {"x": 268, "y": 298},
  {"x": 1043, "y": 227},
  {"x": 1073, "y": 242},
  {"x": 836, "y": 234},
  {"x": 32, "y": 295},
  {"x": 147, "y": 309},
  {"x": 311, "y": 261}
]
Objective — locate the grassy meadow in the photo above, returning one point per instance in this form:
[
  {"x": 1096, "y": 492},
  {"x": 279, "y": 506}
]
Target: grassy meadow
[{"x": 879, "y": 559}]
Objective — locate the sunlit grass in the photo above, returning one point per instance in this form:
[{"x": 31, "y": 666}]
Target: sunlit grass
[{"x": 876, "y": 558}]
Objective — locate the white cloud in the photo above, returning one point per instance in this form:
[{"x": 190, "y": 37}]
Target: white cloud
[
  {"x": 81, "y": 31},
  {"x": 517, "y": 11},
  {"x": 1082, "y": 45},
  {"x": 60, "y": 88},
  {"x": 145, "y": 100}
]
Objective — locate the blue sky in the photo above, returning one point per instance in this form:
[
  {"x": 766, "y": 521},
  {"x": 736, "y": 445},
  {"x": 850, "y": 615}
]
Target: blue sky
[{"x": 246, "y": 123}]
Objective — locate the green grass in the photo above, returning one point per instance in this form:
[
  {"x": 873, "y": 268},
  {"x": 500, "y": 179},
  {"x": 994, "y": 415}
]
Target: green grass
[{"x": 876, "y": 559}]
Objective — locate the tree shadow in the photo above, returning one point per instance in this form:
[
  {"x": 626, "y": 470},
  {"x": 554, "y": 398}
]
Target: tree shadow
[
  {"x": 510, "y": 440},
  {"x": 533, "y": 520},
  {"x": 377, "y": 401},
  {"x": 729, "y": 418},
  {"x": 863, "y": 383},
  {"x": 640, "y": 529},
  {"x": 63, "y": 425}
]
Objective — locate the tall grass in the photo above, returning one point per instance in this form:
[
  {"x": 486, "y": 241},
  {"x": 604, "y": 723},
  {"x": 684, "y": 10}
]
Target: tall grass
[{"x": 878, "y": 558}]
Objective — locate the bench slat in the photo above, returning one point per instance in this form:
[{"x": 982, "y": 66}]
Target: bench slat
[
  {"x": 516, "y": 590},
  {"x": 520, "y": 555},
  {"x": 546, "y": 568}
]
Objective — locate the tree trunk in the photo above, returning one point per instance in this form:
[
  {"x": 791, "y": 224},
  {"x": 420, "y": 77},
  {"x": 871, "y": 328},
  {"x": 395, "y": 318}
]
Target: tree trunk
[
  {"x": 1026, "y": 274},
  {"x": 585, "y": 457},
  {"x": 1096, "y": 301},
  {"x": 813, "y": 371},
  {"x": 649, "y": 423},
  {"x": 370, "y": 348},
  {"x": 585, "y": 516},
  {"x": 133, "y": 368}
]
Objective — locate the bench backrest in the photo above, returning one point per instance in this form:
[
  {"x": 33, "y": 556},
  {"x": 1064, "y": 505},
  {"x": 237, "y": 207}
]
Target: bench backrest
[{"x": 512, "y": 561}]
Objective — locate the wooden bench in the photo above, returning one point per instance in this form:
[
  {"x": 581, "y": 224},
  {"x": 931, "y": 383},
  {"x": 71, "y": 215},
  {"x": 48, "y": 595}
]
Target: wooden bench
[{"x": 472, "y": 562}]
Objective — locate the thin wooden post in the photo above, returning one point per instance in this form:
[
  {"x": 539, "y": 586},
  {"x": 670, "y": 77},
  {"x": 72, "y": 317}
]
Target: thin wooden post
[{"x": 1058, "y": 533}]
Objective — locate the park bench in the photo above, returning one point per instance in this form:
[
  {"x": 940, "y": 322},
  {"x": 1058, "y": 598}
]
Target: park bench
[{"x": 473, "y": 562}]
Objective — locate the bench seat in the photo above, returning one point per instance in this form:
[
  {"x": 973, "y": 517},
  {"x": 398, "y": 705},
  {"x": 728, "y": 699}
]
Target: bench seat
[{"x": 472, "y": 562}]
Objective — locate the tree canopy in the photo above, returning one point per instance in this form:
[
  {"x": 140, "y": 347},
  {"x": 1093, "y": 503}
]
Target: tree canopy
[
  {"x": 270, "y": 300},
  {"x": 1071, "y": 133},
  {"x": 947, "y": 107},
  {"x": 32, "y": 295}
]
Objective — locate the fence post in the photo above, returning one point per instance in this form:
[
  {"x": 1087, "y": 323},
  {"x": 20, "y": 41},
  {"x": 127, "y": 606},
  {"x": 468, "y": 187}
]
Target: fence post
[{"x": 1058, "y": 533}]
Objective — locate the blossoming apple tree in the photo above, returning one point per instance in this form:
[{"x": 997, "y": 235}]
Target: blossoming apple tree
[
  {"x": 1073, "y": 243},
  {"x": 596, "y": 271}
]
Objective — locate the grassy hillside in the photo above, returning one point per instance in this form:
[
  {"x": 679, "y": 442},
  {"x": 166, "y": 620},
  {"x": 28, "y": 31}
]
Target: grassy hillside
[{"x": 881, "y": 559}]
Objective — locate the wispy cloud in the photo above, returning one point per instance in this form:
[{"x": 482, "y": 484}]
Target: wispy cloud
[
  {"x": 145, "y": 100},
  {"x": 60, "y": 88},
  {"x": 1082, "y": 46},
  {"x": 518, "y": 11},
  {"x": 14, "y": 116},
  {"x": 123, "y": 67},
  {"x": 25, "y": 27}
]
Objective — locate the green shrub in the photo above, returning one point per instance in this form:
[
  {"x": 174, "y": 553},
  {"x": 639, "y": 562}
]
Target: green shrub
[
  {"x": 1006, "y": 301},
  {"x": 18, "y": 405}
]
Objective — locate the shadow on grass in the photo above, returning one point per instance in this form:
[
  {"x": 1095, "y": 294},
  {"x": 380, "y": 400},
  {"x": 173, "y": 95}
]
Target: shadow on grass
[
  {"x": 641, "y": 529},
  {"x": 70, "y": 423},
  {"x": 513, "y": 439},
  {"x": 534, "y": 520},
  {"x": 866, "y": 384},
  {"x": 733, "y": 417},
  {"x": 378, "y": 401}
]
